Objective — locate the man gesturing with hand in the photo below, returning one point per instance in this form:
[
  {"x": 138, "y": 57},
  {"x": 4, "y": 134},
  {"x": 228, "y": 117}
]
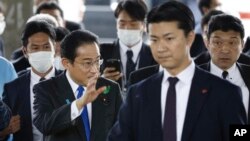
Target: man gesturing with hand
[{"x": 77, "y": 105}]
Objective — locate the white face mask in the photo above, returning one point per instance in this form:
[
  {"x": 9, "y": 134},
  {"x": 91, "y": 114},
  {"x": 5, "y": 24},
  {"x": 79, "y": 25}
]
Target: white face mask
[
  {"x": 2, "y": 27},
  {"x": 129, "y": 37},
  {"x": 41, "y": 61},
  {"x": 58, "y": 63}
]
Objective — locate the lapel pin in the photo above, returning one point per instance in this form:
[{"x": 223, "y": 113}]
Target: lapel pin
[
  {"x": 204, "y": 91},
  {"x": 106, "y": 91},
  {"x": 67, "y": 101}
]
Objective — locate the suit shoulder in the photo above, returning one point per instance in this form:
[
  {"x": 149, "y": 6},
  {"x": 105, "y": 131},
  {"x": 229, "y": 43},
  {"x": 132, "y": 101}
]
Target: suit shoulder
[
  {"x": 19, "y": 80},
  {"x": 104, "y": 81}
]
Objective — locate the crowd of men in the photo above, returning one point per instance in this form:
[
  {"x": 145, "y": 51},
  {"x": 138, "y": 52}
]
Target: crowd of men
[{"x": 179, "y": 85}]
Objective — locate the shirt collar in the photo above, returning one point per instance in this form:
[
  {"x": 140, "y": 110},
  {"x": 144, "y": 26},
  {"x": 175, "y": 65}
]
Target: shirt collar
[
  {"x": 218, "y": 71},
  {"x": 36, "y": 77},
  {"x": 136, "y": 48},
  {"x": 74, "y": 86},
  {"x": 184, "y": 76}
]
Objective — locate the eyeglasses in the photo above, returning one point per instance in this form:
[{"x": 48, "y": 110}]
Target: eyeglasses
[
  {"x": 87, "y": 65},
  {"x": 219, "y": 43}
]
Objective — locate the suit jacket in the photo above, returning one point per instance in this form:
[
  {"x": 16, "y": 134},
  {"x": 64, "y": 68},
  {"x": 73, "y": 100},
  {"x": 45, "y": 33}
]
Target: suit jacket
[
  {"x": 205, "y": 57},
  {"x": 19, "y": 61},
  {"x": 245, "y": 74},
  {"x": 71, "y": 26},
  {"x": 54, "y": 111},
  {"x": 198, "y": 46},
  {"x": 212, "y": 106},
  {"x": 17, "y": 96},
  {"x": 246, "y": 49},
  {"x": 142, "y": 73},
  {"x": 109, "y": 51}
]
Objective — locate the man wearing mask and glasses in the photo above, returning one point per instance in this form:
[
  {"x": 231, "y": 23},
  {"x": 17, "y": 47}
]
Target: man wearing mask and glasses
[
  {"x": 129, "y": 49},
  {"x": 38, "y": 40},
  {"x": 77, "y": 105}
]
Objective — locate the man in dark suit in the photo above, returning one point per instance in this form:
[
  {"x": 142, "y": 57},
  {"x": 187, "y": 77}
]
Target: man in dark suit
[
  {"x": 225, "y": 43},
  {"x": 182, "y": 103},
  {"x": 130, "y": 17},
  {"x": 38, "y": 40},
  {"x": 62, "y": 114}
]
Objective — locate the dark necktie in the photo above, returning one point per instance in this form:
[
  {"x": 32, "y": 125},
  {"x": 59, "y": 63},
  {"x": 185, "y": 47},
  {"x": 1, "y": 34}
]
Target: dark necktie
[
  {"x": 84, "y": 114},
  {"x": 224, "y": 74},
  {"x": 169, "y": 124},
  {"x": 41, "y": 79},
  {"x": 130, "y": 66}
]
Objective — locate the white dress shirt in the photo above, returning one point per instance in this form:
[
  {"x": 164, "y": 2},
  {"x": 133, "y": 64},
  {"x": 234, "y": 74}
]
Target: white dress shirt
[
  {"x": 34, "y": 79},
  {"x": 182, "y": 94},
  {"x": 74, "y": 110},
  {"x": 123, "y": 52},
  {"x": 234, "y": 77}
]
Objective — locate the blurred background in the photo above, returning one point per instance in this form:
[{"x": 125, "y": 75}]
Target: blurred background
[{"x": 96, "y": 16}]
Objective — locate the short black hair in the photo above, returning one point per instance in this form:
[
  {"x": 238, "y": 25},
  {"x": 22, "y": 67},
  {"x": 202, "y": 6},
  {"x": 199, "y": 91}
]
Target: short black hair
[
  {"x": 74, "y": 40},
  {"x": 205, "y": 19},
  {"x": 34, "y": 27},
  {"x": 173, "y": 11},
  {"x": 136, "y": 9},
  {"x": 51, "y": 5},
  {"x": 204, "y": 3},
  {"x": 61, "y": 32},
  {"x": 225, "y": 23}
]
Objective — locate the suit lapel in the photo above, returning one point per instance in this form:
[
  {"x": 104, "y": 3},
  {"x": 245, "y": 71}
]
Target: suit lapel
[
  {"x": 67, "y": 95},
  {"x": 244, "y": 71},
  {"x": 25, "y": 99},
  {"x": 152, "y": 109},
  {"x": 197, "y": 97},
  {"x": 116, "y": 50}
]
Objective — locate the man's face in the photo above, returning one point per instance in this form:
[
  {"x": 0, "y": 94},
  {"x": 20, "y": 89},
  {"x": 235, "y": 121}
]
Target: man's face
[
  {"x": 124, "y": 21},
  {"x": 225, "y": 48},
  {"x": 56, "y": 14},
  {"x": 169, "y": 46},
  {"x": 39, "y": 42},
  {"x": 86, "y": 64}
]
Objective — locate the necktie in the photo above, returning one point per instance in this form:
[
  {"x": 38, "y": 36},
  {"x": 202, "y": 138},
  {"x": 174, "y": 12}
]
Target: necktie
[
  {"x": 41, "y": 79},
  {"x": 169, "y": 124},
  {"x": 130, "y": 66},
  {"x": 224, "y": 74},
  {"x": 84, "y": 114}
]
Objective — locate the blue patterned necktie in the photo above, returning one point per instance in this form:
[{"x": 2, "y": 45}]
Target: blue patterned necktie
[{"x": 84, "y": 114}]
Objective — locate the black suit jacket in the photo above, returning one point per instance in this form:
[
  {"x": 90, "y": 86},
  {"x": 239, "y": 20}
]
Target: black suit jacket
[
  {"x": 246, "y": 49},
  {"x": 17, "y": 96},
  {"x": 205, "y": 57},
  {"x": 109, "y": 51},
  {"x": 142, "y": 73},
  {"x": 212, "y": 106},
  {"x": 245, "y": 74},
  {"x": 19, "y": 61},
  {"x": 54, "y": 111},
  {"x": 71, "y": 26}
]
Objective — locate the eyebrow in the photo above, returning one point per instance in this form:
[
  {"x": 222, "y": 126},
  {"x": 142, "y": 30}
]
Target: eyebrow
[
  {"x": 88, "y": 59},
  {"x": 164, "y": 35}
]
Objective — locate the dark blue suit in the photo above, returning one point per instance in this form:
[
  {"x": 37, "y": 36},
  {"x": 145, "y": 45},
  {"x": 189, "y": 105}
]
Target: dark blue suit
[
  {"x": 213, "y": 105},
  {"x": 17, "y": 96},
  {"x": 245, "y": 74}
]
